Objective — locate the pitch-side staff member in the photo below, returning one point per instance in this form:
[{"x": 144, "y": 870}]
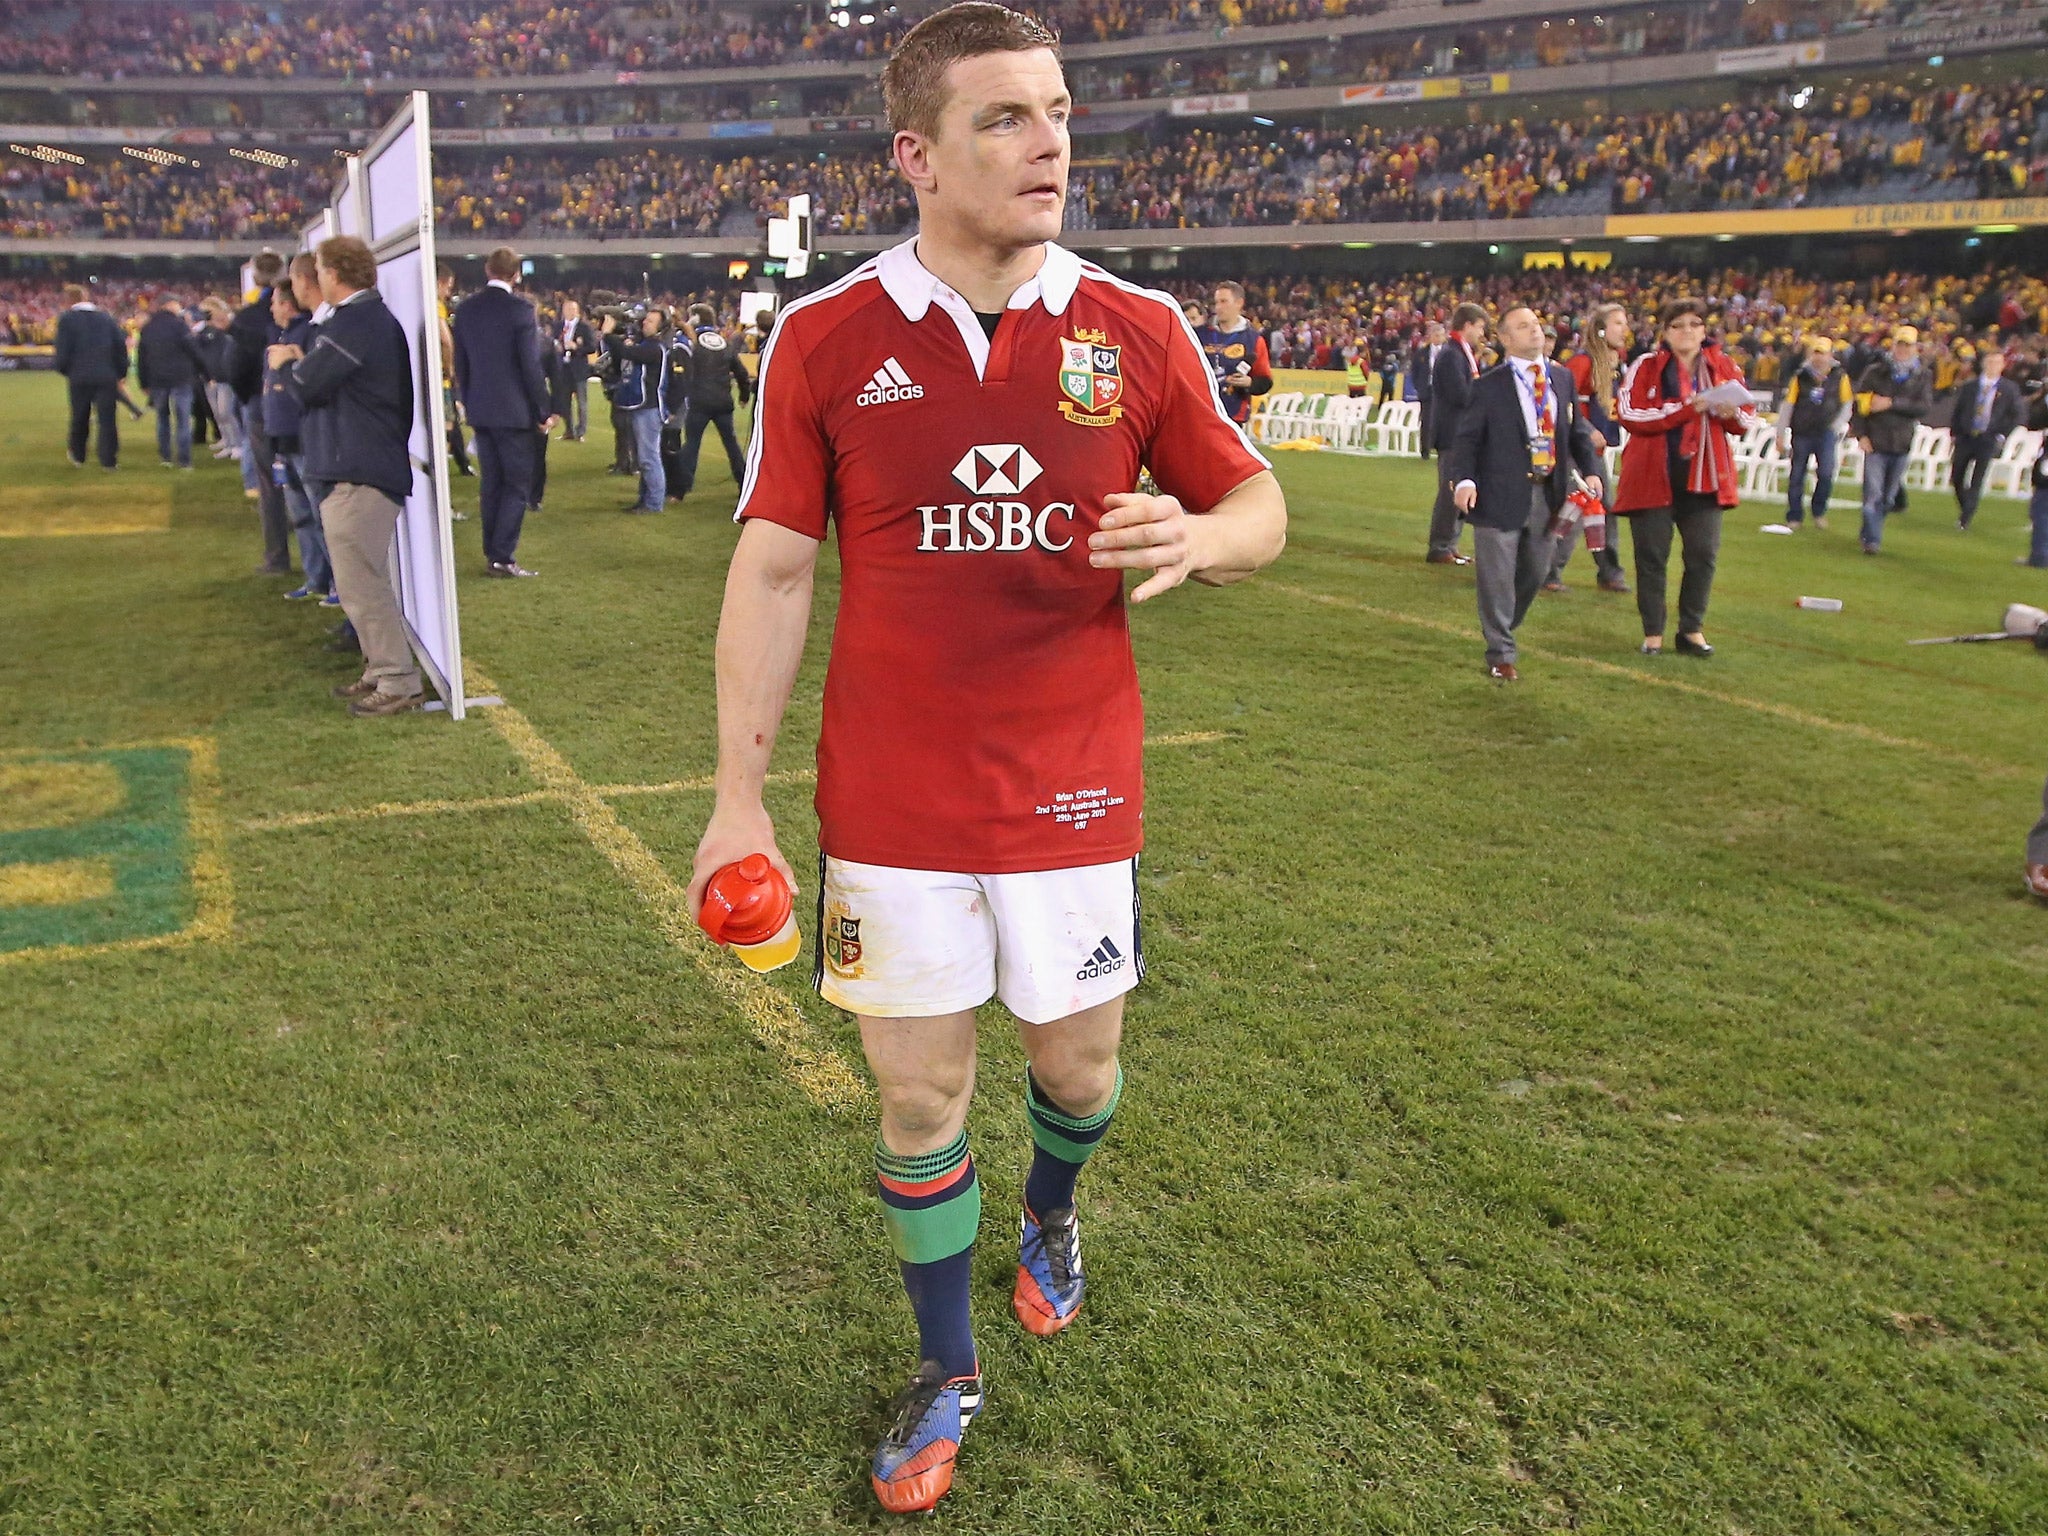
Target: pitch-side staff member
[
  {"x": 1457, "y": 365},
  {"x": 356, "y": 384},
  {"x": 504, "y": 393},
  {"x": 1509, "y": 472},
  {"x": 1678, "y": 470},
  {"x": 92, "y": 354}
]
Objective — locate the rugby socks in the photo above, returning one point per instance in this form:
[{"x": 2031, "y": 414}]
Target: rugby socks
[
  {"x": 1063, "y": 1143},
  {"x": 931, "y": 1204}
]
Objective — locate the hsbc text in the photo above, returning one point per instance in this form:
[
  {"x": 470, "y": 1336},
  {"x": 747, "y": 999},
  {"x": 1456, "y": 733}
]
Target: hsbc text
[{"x": 1008, "y": 527}]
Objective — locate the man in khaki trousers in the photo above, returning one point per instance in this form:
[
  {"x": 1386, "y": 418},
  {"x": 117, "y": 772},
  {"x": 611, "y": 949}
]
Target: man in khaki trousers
[{"x": 355, "y": 381}]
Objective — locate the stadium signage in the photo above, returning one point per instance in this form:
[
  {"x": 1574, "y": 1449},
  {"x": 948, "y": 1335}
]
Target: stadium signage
[
  {"x": 1744, "y": 61},
  {"x": 1424, "y": 90},
  {"x": 844, "y": 124},
  {"x": 1993, "y": 32},
  {"x": 1802, "y": 221},
  {"x": 1207, "y": 106}
]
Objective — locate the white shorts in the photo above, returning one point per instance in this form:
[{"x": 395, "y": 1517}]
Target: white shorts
[{"x": 912, "y": 943}]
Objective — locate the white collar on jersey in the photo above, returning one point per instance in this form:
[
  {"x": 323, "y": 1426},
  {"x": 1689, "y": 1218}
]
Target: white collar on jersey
[{"x": 905, "y": 279}]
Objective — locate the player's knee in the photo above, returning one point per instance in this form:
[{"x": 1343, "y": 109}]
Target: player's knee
[
  {"x": 1077, "y": 1083},
  {"x": 929, "y": 1110}
]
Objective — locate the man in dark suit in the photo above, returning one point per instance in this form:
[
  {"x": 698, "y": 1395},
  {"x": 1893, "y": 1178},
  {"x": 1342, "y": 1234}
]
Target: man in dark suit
[
  {"x": 1457, "y": 365},
  {"x": 577, "y": 339},
  {"x": 1987, "y": 410},
  {"x": 1422, "y": 373},
  {"x": 504, "y": 393},
  {"x": 92, "y": 354},
  {"x": 710, "y": 371},
  {"x": 251, "y": 333},
  {"x": 1510, "y": 467}
]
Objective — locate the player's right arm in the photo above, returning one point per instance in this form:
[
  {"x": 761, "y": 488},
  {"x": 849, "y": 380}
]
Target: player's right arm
[
  {"x": 760, "y": 645},
  {"x": 783, "y": 512}
]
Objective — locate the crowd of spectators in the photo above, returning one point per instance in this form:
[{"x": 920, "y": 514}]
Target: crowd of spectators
[
  {"x": 1761, "y": 318},
  {"x": 367, "y": 39},
  {"x": 1879, "y": 143},
  {"x": 475, "y": 39}
]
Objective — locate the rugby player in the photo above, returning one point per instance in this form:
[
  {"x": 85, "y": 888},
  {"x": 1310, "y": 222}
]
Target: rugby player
[{"x": 970, "y": 412}]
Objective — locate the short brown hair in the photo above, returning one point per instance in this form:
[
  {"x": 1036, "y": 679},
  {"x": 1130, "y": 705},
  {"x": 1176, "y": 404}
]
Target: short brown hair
[
  {"x": 1678, "y": 309},
  {"x": 1465, "y": 314},
  {"x": 306, "y": 265},
  {"x": 503, "y": 264},
  {"x": 267, "y": 267},
  {"x": 349, "y": 260},
  {"x": 74, "y": 293},
  {"x": 1231, "y": 286},
  {"x": 914, "y": 80}
]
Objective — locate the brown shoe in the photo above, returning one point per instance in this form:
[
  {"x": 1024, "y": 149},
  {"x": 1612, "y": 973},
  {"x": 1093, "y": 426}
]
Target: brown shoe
[
  {"x": 1451, "y": 558},
  {"x": 2037, "y": 880},
  {"x": 354, "y": 690},
  {"x": 1503, "y": 672},
  {"x": 1555, "y": 586},
  {"x": 387, "y": 704}
]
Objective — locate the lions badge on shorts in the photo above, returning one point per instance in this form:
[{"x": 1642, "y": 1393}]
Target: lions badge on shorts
[
  {"x": 842, "y": 942},
  {"x": 1091, "y": 379}
]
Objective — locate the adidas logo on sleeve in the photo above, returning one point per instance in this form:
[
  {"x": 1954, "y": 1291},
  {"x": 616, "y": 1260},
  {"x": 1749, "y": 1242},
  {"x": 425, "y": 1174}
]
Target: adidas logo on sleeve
[{"x": 889, "y": 383}]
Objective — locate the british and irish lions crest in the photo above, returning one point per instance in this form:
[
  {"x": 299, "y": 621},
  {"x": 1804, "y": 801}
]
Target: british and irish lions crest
[
  {"x": 842, "y": 941},
  {"x": 1091, "y": 379}
]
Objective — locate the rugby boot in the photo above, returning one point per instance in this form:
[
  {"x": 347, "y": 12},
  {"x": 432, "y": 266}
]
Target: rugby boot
[
  {"x": 1049, "y": 1285},
  {"x": 913, "y": 1465}
]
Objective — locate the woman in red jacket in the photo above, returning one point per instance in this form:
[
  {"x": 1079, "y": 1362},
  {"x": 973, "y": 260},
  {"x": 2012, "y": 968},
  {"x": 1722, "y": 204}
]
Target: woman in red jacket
[{"x": 1678, "y": 470}]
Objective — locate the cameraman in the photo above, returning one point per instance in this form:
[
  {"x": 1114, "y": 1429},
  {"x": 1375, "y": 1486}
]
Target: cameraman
[
  {"x": 643, "y": 369},
  {"x": 615, "y": 327},
  {"x": 706, "y": 368}
]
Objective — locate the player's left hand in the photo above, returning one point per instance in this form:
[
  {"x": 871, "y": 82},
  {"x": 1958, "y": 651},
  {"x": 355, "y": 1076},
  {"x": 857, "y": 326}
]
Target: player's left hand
[{"x": 1144, "y": 533}]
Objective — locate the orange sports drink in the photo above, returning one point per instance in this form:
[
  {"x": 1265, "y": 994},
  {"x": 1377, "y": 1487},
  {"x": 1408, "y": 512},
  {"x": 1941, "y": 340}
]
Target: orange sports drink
[{"x": 749, "y": 908}]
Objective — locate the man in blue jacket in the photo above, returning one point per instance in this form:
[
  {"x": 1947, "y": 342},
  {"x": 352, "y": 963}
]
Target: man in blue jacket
[
  {"x": 168, "y": 365},
  {"x": 504, "y": 395},
  {"x": 292, "y": 327},
  {"x": 355, "y": 382},
  {"x": 92, "y": 354}
]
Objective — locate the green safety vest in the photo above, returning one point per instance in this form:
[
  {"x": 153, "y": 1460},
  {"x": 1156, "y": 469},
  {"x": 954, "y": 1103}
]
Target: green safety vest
[{"x": 1354, "y": 375}]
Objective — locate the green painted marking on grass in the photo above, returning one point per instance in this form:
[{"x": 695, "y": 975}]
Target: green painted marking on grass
[{"x": 111, "y": 847}]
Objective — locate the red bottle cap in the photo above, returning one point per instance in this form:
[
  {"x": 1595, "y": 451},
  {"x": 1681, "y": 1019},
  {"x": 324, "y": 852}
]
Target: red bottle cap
[{"x": 746, "y": 902}]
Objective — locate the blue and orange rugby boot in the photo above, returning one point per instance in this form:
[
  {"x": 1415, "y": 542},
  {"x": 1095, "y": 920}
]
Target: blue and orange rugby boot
[
  {"x": 1049, "y": 1284},
  {"x": 914, "y": 1463}
]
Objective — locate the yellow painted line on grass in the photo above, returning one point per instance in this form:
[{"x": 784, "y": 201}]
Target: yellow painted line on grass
[
  {"x": 288, "y": 821},
  {"x": 818, "y": 1069},
  {"x": 87, "y": 510},
  {"x": 1786, "y": 712}
]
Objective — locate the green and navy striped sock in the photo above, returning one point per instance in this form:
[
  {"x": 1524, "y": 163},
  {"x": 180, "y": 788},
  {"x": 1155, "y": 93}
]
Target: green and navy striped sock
[
  {"x": 1063, "y": 1143},
  {"x": 931, "y": 1204}
]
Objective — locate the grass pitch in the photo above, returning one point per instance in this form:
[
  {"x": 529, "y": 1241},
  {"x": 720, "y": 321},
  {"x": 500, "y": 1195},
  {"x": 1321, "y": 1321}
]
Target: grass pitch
[{"x": 1608, "y": 1103}]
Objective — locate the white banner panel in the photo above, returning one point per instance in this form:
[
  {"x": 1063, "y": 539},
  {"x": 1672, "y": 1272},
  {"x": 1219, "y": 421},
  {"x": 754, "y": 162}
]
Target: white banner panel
[{"x": 394, "y": 189}]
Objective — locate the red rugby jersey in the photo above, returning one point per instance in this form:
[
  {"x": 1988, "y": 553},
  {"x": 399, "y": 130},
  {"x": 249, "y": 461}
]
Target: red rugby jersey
[{"x": 981, "y": 704}]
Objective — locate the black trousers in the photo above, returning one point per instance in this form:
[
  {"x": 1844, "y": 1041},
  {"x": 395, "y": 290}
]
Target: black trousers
[
  {"x": 1697, "y": 521},
  {"x": 1428, "y": 428},
  {"x": 684, "y": 475},
  {"x": 1974, "y": 456},
  {"x": 87, "y": 401},
  {"x": 540, "y": 469},
  {"x": 505, "y": 465},
  {"x": 625, "y": 453},
  {"x": 277, "y": 522}
]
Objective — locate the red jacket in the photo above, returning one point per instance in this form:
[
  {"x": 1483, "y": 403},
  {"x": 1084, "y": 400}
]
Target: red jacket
[{"x": 1649, "y": 416}]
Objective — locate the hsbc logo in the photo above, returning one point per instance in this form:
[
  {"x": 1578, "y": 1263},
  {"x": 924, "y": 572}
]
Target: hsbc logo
[
  {"x": 1005, "y": 469},
  {"x": 990, "y": 472}
]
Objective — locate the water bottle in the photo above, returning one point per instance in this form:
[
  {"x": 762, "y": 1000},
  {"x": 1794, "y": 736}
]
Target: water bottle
[
  {"x": 749, "y": 908},
  {"x": 1820, "y": 604}
]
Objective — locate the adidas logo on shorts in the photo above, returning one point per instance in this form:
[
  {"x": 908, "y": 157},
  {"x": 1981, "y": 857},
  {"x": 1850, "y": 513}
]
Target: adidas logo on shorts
[
  {"x": 889, "y": 383},
  {"x": 1105, "y": 960}
]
